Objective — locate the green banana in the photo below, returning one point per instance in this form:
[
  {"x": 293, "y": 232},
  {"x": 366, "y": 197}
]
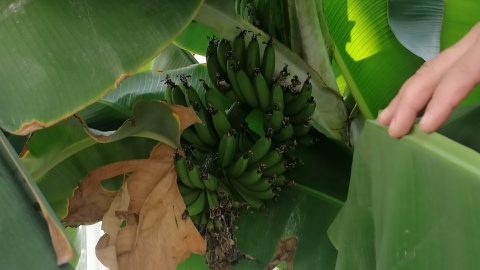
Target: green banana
[
  {"x": 303, "y": 128},
  {"x": 184, "y": 190},
  {"x": 193, "y": 99},
  {"x": 198, "y": 205},
  {"x": 281, "y": 167},
  {"x": 253, "y": 56},
  {"x": 222, "y": 48},
  {"x": 292, "y": 91},
  {"x": 233, "y": 78},
  {"x": 226, "y": 149},
  {"x": 268, "y": 60},
  {"x": 301, "y": 99},
  {"x": 220, "y": 121},
  {"x": 305, "y": 113},
  {"x": 205, "y": 130},
  {"x": 168, "y": 91},
  {"x": 212, "y": 97},
  {"x": 272, "y": 158},
  {"x": 261, "y": 89},
  {"x": 239, "y": 166},
  {"x": 246, "y": 87},
  {"x": 178, "y": 97},
  {"x": 267, "y": 194},
  {"x": 275, "y": 118},
  {"x": 192, "y": 137},
  {"x": 308, "y": 140},
  {"x": 280, "y": 180},
  {"x": 190, "y": 197},
  {"x": 285, "y": 133},
  {"x": 213, "y": 66},
  {"x": 255, "y": 203},
  {"x": 251, "y": 177},
  {"x": 194, "y": 174},
  {"x": 261, "y": 147},
  {"x": 212, "y": 199},
  {"x": 210, "y": 181},
  {"x": 276, "y": 97},
  {"x": 180, "y": 163},
  {"x": 263, "y": 184},
  {"x": 238, "y": 48}
]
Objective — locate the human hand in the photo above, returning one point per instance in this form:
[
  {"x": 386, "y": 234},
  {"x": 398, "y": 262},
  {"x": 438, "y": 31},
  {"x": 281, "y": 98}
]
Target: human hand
[{"x": 439, "y": 85}]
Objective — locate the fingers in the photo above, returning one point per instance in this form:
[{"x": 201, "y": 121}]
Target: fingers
[
  {"x": 454, "y": 86},
  {"x": 438, "y": 74}
]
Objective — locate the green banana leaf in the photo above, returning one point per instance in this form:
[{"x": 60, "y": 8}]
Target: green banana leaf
[
  {"x": 417, "y": 25},
  {"x": 194, "y": 38},
  {"x": 412, "y": 204},
  {"x": 173, "y": 57},
  {"x": 26, "y": 243},
  {"x": 64, "y": 56},
  {"x": 373, "y": 62},
  {"x": 329, "y": 117}
]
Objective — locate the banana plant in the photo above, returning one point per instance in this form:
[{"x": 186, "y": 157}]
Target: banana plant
[{"x": 101, "y": 74}]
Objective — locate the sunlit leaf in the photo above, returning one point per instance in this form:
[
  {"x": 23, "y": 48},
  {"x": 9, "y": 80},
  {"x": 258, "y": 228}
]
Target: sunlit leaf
[
  {"x": 172, "y": 58},
  {"x": 373, "y": 62},
  {"x": 61, "y": 57},
  {"x": 194, "y": 38}
]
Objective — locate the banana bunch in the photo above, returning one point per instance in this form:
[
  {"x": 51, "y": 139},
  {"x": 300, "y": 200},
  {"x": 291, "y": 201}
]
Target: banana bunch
[
  {"x": 271, "y": 16},
  {"x": 226, "y": 164}
]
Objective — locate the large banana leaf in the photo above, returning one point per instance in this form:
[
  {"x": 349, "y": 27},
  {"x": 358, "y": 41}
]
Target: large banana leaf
[
  {"x": 26, "y": 243},
  {"x": 373, "y": 62},
  {"x": 329, "y": 117},
  {"x": 412, "y": 204},
  {"x": 60, "y": 57}
]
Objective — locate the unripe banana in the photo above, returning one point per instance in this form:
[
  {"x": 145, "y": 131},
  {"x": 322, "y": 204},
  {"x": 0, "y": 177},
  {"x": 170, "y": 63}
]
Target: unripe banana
[
  {"x": 261, "y": 147},
  {"x": 181, "y": 167},
  {"x": 263, "y": 184},
  {"x": 212, "y": 199},
  {"x": 272, "y": 158},
  {"x": 204, "y": 129},
  {"x": 193, "y": 99},
  {"x": 305, "y": 113},
  {"x": 261, "y": 89},
  {"x": 222, "y": 49},
  {"x": 268, "y": 60},
  {"x": 279, "y": 180},
  {"x": 285, "y": 133},
  {"x": 267, "y": 194},
  {"x": 178, "y": 97},
  {"x": 198, "y": 205},
  {"x": 210, "y": 181},
  {"x": 220, "y": 121},
  {"x": 233, "y": 78},
  {"x": 239, "y": 49},
  {"x": 213, "y": 66},
  {"x": 194, "y": 174},
  {"x": 255, "y": 203},
  {"x": 251, "y": 177},
  {"x": 292, "y": 91},
  {"x": 239, "y": 166},
  {"x": 303, "y": 128},
  {"x": 308, "y": 140},
  {"x": 275, "y": 118},
  {"x": 279, "y": 168},
  {"x": 190, "y": 197},
  {"x": 253, "y": 56},
  {"x": 167, "y": 95},
  {"x": 276, "y": 97},
  {"x": 212, "y": 97},
  {"x": 299, "y": 102},
  {"x": 246, "y": 87},
  {"x": 191, "y": 136},
  {"x": 184, "y": 190},
  {"x": 226, "y": 149}
]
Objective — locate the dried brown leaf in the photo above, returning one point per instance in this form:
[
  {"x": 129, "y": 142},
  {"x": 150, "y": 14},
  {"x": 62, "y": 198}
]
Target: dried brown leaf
[{"x": 155, "y": 233}]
